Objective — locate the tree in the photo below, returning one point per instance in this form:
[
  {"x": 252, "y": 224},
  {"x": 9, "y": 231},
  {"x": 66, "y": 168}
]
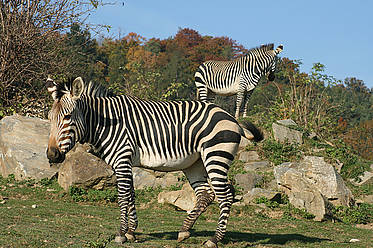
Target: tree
[
  {"x": 81, "y": 52},
  {"x": 30, "y": 47}
]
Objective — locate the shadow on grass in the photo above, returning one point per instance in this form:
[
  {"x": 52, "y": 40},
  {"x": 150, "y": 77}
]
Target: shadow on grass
[{"x": 263, "y": 238}]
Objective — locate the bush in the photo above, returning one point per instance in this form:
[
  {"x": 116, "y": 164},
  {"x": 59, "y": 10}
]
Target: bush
[
  {"x": 278, "y": 153},
  {"x": 361, "y": 214}
]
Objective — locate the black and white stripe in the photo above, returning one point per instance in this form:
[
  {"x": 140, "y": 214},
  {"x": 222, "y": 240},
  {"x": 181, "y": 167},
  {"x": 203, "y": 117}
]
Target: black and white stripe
[
  {"x": 239, "y": 76},
  {"x": 198, "y": 138}
]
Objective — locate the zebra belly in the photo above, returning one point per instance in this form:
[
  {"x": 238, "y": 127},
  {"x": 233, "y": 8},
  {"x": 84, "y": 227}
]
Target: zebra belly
[
  {"x": 229, "y": 90},
  {"x": 171, "y": 164}
]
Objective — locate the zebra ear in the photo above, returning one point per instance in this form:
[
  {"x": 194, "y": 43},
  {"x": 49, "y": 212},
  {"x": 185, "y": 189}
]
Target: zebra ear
[
  {"x": 77, "y": 87},
  {"x": 279, "y": 49},
  {"x": 52, "y": 87}
]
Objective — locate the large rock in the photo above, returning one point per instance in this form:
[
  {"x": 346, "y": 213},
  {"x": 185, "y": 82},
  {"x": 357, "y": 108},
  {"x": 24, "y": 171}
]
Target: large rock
[
  {"x": 365, "y": 178},
  {"x": 184, "y": 199},
  {"x": 248, "y": 156},
  {"x": 313, "y": 184},
  {"x": 23, "y": 143},
  {"x": 144, "y": 178},
  {"x": 247, "y": 181},
  {"x": 283, "y": 132},
  {"x": 83, "y": 169},
  {"x": 257, "y": 165}
]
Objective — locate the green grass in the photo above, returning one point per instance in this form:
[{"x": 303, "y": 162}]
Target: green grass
[{"x": 59, "y": 221}]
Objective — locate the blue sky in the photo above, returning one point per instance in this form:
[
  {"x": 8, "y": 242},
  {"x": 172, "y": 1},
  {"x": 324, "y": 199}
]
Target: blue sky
[{"x": 338, "y": 34}]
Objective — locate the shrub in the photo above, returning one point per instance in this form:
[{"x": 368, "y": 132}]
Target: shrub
[{"x": 278, "y": 153}]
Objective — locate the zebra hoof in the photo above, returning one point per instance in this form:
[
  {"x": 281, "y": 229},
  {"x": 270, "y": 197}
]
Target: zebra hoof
[
  {"x": 209, "y": 244},
  {"x": 183, "y": 236},
  {"x": 130, "y": 237},
  {"x": 120, "y": 239}
]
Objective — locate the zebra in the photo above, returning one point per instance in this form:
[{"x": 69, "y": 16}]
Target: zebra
[
  {"x": 198, "y": 138},
  {"x": 239, "y": 76}
]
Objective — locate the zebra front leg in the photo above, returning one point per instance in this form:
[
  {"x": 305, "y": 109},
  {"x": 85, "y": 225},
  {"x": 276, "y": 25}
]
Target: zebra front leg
[
  {"x": 197, "y": 178},
  {"x": 133, "y": 221},
  {"x": 126, "y": 203}
]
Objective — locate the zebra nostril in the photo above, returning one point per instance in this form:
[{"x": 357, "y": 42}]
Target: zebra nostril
[{"x": 53, "y": 153}]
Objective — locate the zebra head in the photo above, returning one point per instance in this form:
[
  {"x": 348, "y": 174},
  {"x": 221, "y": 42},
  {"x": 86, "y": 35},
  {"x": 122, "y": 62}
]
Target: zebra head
[
  {"x": 66, "y": 118},
  {"x": 272, "y": 66}
]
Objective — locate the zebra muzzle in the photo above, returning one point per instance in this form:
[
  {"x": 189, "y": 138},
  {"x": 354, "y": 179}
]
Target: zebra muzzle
[{"x": 54, "y": 155}]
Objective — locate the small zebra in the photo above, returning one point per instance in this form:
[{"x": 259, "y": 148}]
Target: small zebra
[
  {"x": 239, "y": 76},
  {"x": 198, "y": 138}
]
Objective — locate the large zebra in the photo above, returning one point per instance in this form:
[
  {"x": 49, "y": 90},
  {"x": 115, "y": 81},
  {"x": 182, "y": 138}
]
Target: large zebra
[
  {"x": 239, "y": 76},
  {"x": 198, "y": 138}
]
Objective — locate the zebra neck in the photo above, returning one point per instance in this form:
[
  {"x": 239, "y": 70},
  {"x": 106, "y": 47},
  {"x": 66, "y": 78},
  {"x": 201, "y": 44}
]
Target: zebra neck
[{"x": 100, "y": 117}]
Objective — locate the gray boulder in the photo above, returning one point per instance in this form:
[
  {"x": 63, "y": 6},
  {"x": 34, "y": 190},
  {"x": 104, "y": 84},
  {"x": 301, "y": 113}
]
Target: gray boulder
[
  {"x": 283, "y": 132},
  {"x": 247, "y": 181},
  {"x": 256, "y": 165},
  {"x": 248, "y": 156},
  {"x": 144, "y": 178},
  {"x": 314, "y": 185},
  {"x": 365, "y": 178},
  {"x": 184, "y": 199},
  {"x": 83, "y": 169},
  {"x": 23, "y": 143}
]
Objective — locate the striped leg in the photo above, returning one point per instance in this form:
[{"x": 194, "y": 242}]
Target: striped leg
[
  {"x": 197, "y": 178},
  {"x": 240, "y": 96},
  {"x": 126, "y": 200},
  {"x": 246, "y": 101},
  {"x": 201, "y": 92},
  {"x": 217, "y": 160},
  {"x": 201, "y": 86},
  {"x": 132, "y": 217}
]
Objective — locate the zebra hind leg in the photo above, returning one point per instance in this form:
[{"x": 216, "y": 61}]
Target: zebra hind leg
[
  {"x": 197, "y": 178},
  {"x": 217, "y": 165},
  {"x": 240, "y": 98}
]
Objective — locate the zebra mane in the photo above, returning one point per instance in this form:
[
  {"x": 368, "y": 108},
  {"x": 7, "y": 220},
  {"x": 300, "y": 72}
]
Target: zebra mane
[
  {"x": 90, "y": 89},
  {"x": 96, "y": 90},
  {"x": 264, "y": 48}
]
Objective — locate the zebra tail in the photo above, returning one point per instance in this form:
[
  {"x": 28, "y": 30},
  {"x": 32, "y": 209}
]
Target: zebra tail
[{"x": 258, "y": 135}]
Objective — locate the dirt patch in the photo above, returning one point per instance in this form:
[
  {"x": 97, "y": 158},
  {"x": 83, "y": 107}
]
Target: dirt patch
[{"x": 368, "y": 226}]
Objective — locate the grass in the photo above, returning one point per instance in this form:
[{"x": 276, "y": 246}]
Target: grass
[{"x": 59, "y": 221}]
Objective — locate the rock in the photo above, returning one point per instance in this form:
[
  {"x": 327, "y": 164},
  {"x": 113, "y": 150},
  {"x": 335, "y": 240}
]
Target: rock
[
  {"x": 364, "y": 178},
  {"x": 287, "y": 122},
  {"x": 247, "y": 156},
  {"x": 283, "y": 132},
  {"x": 313, "y": 184},
  {"x": 23, "y": 143},
  {"x": 251, "y": 196},
  {"x": 34, "y": 206},
  {"x": 83, "y": 169},
  {"x": 259, "y": 165},
  {"x": 184, "y": 199},
  {"x": 144, "y": 178},
  {"x": 247, "y": 181},
  {"x": 367, "y": 199},
  {"x": 243, "y": 143}
]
